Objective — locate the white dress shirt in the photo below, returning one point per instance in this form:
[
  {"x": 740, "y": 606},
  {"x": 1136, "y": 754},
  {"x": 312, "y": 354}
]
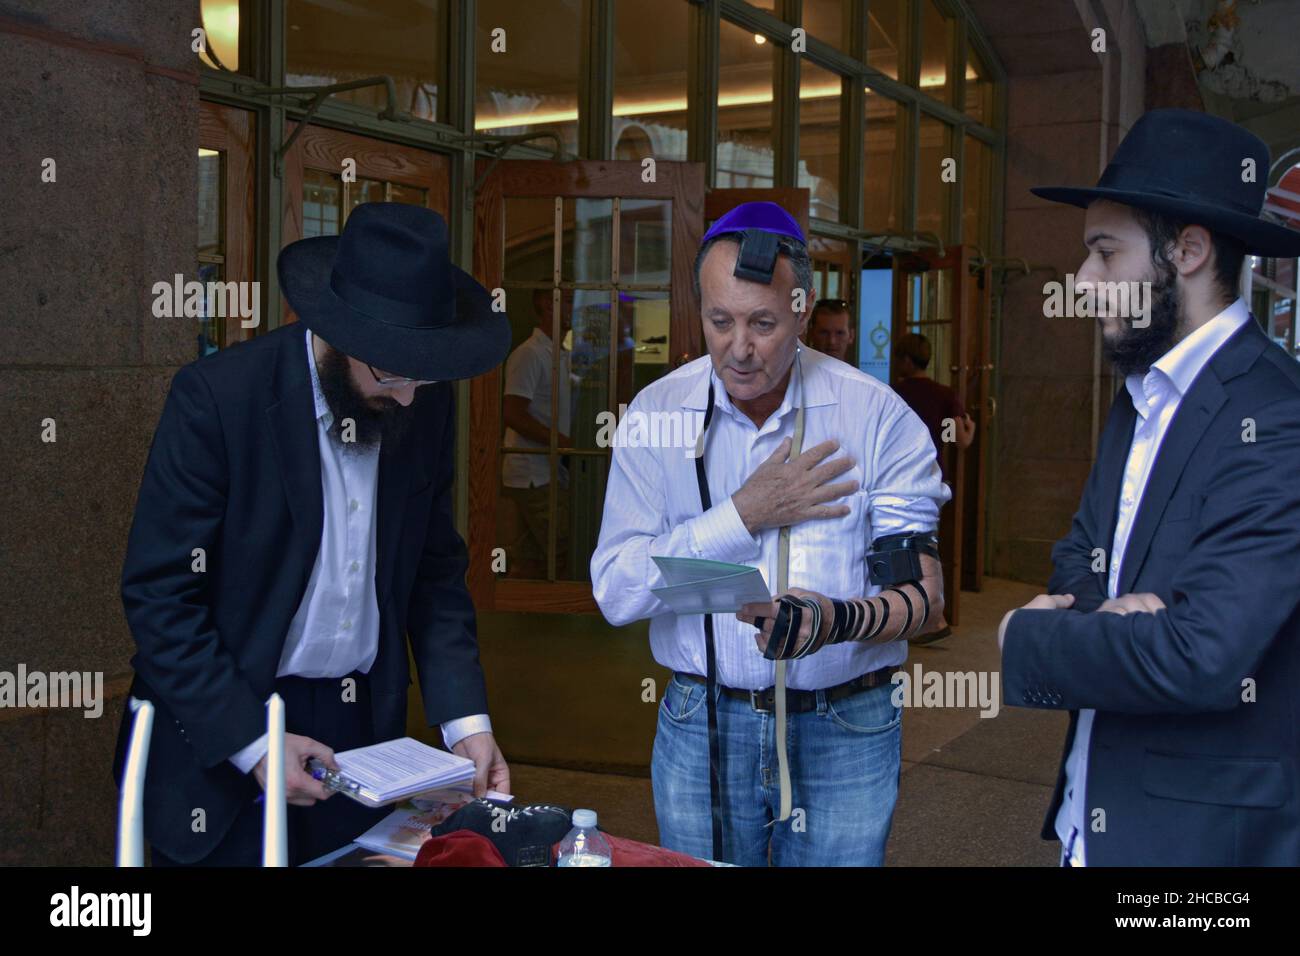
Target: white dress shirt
[
  {"x": 652, "y": 507},
  {"x": 1156, "y": 397},
  {"x": 528, "y": 375},
  {"x": 336, "y": 628}
]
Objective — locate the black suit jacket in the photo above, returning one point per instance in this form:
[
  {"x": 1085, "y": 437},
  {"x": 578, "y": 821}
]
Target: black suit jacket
[
  {"x": 1195, "y": 751},
  {"x": 234, "y": 469}
]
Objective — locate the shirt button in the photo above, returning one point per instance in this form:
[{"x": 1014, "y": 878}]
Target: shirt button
[
  {"x": 352, "y": 506},
  {"x": 355, "y": 566},
  {"x": 347, "y": 625}
]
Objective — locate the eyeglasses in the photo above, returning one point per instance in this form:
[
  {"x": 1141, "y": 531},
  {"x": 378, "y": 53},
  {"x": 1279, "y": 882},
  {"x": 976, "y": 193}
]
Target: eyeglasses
[{"x": 397, "y": 381}]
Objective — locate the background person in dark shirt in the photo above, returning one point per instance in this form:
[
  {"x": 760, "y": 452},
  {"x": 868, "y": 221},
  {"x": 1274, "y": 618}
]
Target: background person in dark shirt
[{"x": 933, "y": 403}]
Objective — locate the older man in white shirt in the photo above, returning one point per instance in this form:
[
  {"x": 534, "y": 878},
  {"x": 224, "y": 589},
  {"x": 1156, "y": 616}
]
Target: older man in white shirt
[{"x": 843, "y": 732}]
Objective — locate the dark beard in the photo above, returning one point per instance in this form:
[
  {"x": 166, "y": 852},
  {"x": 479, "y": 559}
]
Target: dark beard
[
  {"x": 1136, "y": 350},
  {"x": 346, "y": 402}
]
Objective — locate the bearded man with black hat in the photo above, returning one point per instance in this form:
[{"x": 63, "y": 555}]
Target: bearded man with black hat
[
  {"x": 778, "y": 735},
  {"x": 1171, "y": 632},
  {"x": 294, "y": 528}
]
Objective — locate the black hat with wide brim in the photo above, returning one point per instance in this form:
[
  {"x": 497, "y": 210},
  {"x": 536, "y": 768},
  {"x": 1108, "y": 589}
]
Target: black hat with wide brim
[
  {"x": 1196, "y": 167},
  {"x": 386, "y": 293}
]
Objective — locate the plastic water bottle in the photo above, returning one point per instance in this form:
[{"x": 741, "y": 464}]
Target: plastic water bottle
[{"x": 584, "y": 845}]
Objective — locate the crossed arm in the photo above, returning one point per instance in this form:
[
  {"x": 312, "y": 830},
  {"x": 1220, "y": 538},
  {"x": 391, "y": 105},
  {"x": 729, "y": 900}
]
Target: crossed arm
[{"x": 1231, "y": 595}]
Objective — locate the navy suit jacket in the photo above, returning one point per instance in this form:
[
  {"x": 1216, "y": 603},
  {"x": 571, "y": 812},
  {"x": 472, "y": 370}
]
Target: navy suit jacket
[
  {"x": 1195, "y": 752},
  {"x": 234, "y": 469}
]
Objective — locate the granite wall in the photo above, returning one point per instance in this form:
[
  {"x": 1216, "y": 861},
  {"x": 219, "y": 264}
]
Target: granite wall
[{"x": 109, "y": 91}]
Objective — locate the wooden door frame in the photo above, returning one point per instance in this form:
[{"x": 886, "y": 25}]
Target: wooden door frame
[
  {"x": 320, "y": 147},
  {"x": 680, "y": 183},
  {"x": 230, "y": 130}
]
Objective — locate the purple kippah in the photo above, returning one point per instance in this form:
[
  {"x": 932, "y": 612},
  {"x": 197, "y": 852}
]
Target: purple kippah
[{"x": 765, "y": 216}]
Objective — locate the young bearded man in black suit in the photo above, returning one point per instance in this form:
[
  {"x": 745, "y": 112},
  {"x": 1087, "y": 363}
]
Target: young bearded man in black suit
[
  {"x": 1172, "y": 629},
  {"x": 294, "y": 527}
]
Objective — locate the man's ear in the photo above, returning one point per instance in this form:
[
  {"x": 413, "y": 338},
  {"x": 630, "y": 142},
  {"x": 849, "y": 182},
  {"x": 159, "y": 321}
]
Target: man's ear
[{"x": 1193, "y": 250}]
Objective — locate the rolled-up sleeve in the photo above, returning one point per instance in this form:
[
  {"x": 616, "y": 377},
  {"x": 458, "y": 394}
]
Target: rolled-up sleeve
[{"x": 907, "y": 489}]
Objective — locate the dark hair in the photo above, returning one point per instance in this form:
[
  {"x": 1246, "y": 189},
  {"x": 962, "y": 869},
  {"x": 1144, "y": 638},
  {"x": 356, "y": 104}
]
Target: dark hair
[
  {"x": 1162, "y": 231},
  {"x": 793, "y": 249},
  {"x": 915, "y": 346},
  {"x": 828, "y": 305}
]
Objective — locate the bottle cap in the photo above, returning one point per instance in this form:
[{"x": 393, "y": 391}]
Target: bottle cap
[{"x": 584, "y": 818}]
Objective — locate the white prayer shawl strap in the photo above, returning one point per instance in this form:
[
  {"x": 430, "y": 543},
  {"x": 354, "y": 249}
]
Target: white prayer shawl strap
[{"x": 782, "y": 582}]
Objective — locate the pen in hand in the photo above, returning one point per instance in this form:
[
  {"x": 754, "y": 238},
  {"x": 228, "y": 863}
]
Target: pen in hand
[{"x": 331, "y": 779}]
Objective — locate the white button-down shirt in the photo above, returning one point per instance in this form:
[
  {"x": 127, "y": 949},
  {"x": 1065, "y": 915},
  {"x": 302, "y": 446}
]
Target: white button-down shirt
[
  {"x": 1156, "y": 397},
  {"x": 652, "y": 507},
  {"x": 336, "y": 628}
]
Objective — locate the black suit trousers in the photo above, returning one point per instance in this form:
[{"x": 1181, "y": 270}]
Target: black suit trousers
[{"x": 315, "y": 708}]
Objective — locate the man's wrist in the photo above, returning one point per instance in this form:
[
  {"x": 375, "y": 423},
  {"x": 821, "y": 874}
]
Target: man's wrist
[
  {"x": 454, "y": 731},
  {"x": 722, "y": 535},
  {"x": 249, "y": 757}
]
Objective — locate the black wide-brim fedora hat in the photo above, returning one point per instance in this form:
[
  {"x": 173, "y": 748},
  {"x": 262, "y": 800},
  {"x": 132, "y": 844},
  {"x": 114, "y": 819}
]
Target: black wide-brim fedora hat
[
  {"x": 1192, "y": 166},
  {"x": 386, "y": 293}
]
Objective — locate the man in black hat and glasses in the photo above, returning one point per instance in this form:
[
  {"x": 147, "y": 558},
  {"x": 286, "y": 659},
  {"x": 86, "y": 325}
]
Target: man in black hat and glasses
[
  {"x": 1171, "y": 632},
  {"x": 294, "y": 528}
]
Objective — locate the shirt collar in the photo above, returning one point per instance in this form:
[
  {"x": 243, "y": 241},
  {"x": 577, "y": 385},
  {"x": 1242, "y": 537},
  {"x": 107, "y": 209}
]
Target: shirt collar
[
  {"x": 323, "y": 412},
  {"x": 816, "y": 385},
  {"x": 1178, "y": 367}
]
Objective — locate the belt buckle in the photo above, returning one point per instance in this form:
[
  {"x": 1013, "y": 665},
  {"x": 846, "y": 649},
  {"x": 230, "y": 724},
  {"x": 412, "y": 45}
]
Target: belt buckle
[{"x": 754, "y": 697}]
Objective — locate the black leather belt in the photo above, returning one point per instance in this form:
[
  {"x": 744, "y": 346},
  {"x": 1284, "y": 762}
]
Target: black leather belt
[{"x": 802, "y": 701}]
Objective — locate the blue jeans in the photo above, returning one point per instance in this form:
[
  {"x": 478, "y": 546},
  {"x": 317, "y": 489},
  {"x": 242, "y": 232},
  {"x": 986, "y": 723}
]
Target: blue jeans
[{"x": 844, "y": 767}]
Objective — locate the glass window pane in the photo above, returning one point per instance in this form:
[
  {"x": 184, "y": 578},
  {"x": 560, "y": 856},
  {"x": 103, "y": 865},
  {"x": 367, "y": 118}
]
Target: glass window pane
[
  {"x": 364, "y": 190},
  {"x": 532, "y": 84},
  {"x": 587, "y": 240},
  {"x": 212, "y": 327},
  {"x": 975, "y": 193},
  {"x": 529, "y": 234},
  {"x": 883, "y": 38},
  {"x": 979, "y": 89},
  {"x": 826, "y": 20},
  {"x": 612, "y": 341},
  {"x": 930, "y": 312},
  {"x": 328, "y": 43},
  {"x": 819, "y": 139},
  {"x": 882, "y": 189},
  {"x": 645, "y": 241},
  {"x": 745, "y": 72},
  {"x": 931, "y": 190},
  {"x": 650, "y": 44},
  {"x": 643, "y": 330},
  {"x": 589, "y": 349},
  {"x": 936, "y": 47},
  {"x": 211, "y": 231},
  {"x": 322, "y": 203},
  {"x": 408, "y": 194}
]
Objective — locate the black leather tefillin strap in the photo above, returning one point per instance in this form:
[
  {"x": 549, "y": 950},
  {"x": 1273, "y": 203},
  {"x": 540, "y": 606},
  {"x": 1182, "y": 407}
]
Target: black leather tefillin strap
[
  {"x": 711, "y": 665},
  {"x": 845, "y": 624}
]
